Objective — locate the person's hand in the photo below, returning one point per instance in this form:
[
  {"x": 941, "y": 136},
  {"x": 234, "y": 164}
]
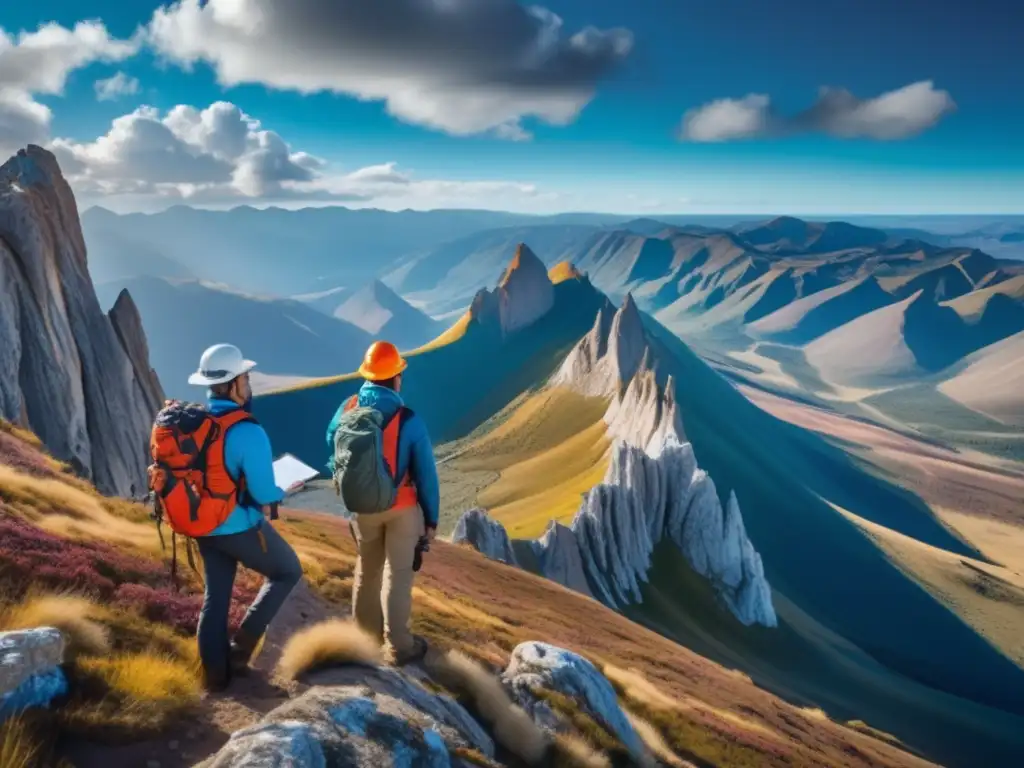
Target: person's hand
[{"x": 431, "y": 532}]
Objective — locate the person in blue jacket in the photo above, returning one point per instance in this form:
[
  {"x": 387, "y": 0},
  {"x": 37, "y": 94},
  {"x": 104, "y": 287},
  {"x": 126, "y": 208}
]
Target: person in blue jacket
[
  {"x": 245, "y": 536},
  {"x": 387, "y": 541}
]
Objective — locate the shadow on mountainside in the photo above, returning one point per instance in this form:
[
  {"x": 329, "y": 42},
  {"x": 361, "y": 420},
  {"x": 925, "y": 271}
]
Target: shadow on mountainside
[
  {"x": 820, "y": 561},
  {"x": 454, "y": 388}
]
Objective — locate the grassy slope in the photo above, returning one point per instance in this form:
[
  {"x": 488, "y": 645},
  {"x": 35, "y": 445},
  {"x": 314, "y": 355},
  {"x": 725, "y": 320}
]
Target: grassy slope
[
  {"x": 134, "y": 676},
  {"x": 454, "y": 387},
  {"x": 551, "y": 450},
  {"x": 819, "y": 560},
  {"x": 483, "y": 608}
]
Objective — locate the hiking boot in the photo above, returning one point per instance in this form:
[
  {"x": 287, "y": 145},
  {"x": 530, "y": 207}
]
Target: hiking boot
[
  {"x": 217, "y": 682},
  {"x": 415, "y": 653},
  {"x": 243, "y": 646}
]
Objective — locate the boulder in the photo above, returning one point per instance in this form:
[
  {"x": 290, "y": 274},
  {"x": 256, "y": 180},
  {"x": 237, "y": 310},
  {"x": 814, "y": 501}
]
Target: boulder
[
  {"x": 64, "y": 373},
  {"x": 30, "y": 673},
  {"x": 535, "y": 666},
  {"x": 489, "y": 537},
  {"x": 360, "y": 717}
]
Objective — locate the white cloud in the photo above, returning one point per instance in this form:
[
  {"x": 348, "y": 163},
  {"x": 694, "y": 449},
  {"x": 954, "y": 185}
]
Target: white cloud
[
  {"x": 188, "y": 152},
  {"x": 115, "y": 87},
  {"x": 39, "y": 63},
  {"x": 460, "y": 66},
  {"x": 898, "y": 114},
  {"x": 220, "y": 155},
  {"x": 727, "y": 119}
]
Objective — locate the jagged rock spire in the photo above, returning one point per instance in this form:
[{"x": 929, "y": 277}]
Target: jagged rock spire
[{"x": 524, "y": 294}]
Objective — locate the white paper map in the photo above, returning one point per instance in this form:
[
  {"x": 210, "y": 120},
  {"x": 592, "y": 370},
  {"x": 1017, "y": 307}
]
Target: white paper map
[{"x": 288, "y": 470}]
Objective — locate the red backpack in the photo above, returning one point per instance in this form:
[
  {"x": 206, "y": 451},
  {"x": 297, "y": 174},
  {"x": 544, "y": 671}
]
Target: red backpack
[{"x": 192, "y": 489}]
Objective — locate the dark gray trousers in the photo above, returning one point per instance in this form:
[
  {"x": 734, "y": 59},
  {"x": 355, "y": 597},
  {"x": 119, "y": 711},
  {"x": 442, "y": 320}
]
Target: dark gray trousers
[{"x": 221, "y": 555}]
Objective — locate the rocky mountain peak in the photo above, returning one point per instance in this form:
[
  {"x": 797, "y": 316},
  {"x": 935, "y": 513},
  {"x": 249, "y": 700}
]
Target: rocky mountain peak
[
  {"x": 523, "y": 296},
  {"x": 79, "y": 379},
  {"x": 606, "y": 360},
  {"x": 525, "y": 264}
]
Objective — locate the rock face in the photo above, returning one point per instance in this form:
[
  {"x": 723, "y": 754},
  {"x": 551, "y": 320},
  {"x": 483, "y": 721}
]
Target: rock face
[
  {"x": 127, "y": 322},
  {"x": 523, "y": 296},
  {"x": 30, "y": 674},
  {"x": 653, "y": 490},
  {"x": 64, "y": 371},
  {"x": 559, "y": 559},
  {"x": 373, "y": 717},
  {"x": 539, "y": 665},
  {"x": 486, "y": 535},
  {"x": 358, "y": 716}
]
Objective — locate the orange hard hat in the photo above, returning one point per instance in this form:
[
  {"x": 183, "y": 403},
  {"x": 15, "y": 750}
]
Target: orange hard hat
[{"x": 381, "y": 362}]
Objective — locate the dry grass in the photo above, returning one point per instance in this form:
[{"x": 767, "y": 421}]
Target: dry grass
[
  {"x": 562, "y": 271},
  {"x": 330, "y": 643},
  {"x": 67, "y": 509},
  {"x": 454, "y": 333},
  {"x": 709, "y": 715},
  {"x": 574, "y": 752},
  {"x": 129, "y": 696},
  {"x": 74, "y": 617},
  {"x": 654, "y": 742},
  {"x": 21, "y": 434},
  {"x": 511, "y": 726},
  {"x": 549, "y": 451},
  {"x": 21, "y": 745}
]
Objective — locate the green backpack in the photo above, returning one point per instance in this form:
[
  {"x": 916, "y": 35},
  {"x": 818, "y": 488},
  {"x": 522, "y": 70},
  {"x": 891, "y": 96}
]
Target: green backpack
[{"x": 365, "y": 458}]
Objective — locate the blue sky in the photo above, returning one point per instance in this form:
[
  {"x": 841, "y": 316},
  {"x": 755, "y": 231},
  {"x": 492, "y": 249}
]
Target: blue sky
[{"x": 955, "y": 144}]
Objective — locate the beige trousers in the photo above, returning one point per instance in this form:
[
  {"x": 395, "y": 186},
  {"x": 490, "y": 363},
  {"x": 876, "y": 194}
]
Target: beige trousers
[{"x": 382, "y": 593}]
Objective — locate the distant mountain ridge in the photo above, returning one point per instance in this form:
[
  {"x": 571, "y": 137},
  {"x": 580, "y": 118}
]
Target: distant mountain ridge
[
  {"x": 285, "y": 337},
  {"x": 384, "y": 314}
]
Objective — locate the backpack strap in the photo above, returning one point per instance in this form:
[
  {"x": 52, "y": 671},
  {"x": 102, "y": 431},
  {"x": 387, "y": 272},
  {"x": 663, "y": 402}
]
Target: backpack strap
[
  {"x": 226, "y": 421},
  {"x": 392, "y": 432}
]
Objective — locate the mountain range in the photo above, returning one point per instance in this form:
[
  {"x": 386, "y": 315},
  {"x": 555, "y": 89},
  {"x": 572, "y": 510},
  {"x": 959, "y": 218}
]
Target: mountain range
[
  {"x": 596, "y": 449},
  {"x": 694, "y": 432}
]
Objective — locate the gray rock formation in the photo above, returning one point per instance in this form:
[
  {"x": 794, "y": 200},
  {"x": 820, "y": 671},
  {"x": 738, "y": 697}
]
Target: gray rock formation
[
  {"x": 30, "y": 675},
  {"x": 523, "y": 296},
  {"x": 27, "y": 652},
  {"x": 653, "y": 490},
  {"x": 63, "y": 371},
  {"x": 559, "y": 559},
  {"x": 127, "y": 322},
  {"x": 358, "y": 716},
  {"x": 486, "y": 535},
  {"x": 607, "y": 358},
  {"x": 536, "y": 665}
]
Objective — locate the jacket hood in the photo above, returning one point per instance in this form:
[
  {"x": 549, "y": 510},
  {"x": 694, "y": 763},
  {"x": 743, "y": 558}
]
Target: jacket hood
[{"x": 385, "y": 400}]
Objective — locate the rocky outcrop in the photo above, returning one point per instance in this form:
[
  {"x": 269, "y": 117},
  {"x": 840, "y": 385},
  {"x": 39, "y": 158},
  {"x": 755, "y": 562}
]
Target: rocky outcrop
[
  {"x": 538, "y": 666},
  {"x": 359, "y": 716},
  {"x": 127, "y": 322},
  {"x": 523, "y": 296},
  {"x": 30, "y": 674},
  {"x": 486, "y": 535},
  {"x": 607, "y": 358},
  {"x": 559, "y": 559},
  {"x": 63, "y": 371},
  {"x": 372, "y": 717},
  {"x": 653, "y": 490}
]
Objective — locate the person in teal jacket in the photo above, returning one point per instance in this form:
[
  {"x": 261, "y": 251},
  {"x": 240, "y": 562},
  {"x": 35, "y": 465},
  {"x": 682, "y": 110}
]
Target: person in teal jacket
[
  {"x": 245, "y": 537},
  {"x": 387, "y": 541},
  {"x": 415, "y": 450}
]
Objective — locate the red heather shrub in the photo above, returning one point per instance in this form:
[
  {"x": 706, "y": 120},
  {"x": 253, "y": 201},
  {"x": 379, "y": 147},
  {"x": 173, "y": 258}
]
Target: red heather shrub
[
  {"x": 32, "y": 557},
  {"x": 24, "y": 458}
]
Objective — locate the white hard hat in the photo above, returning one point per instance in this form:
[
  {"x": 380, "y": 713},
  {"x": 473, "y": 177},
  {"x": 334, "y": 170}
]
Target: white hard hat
[{"x": 220, "y": 364}]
